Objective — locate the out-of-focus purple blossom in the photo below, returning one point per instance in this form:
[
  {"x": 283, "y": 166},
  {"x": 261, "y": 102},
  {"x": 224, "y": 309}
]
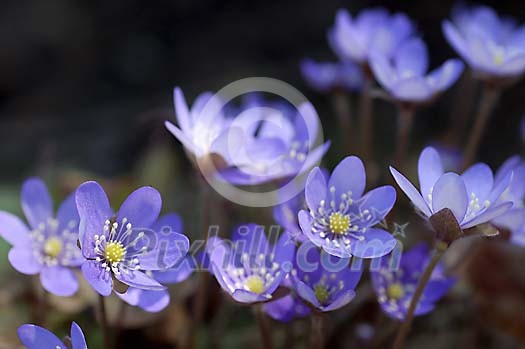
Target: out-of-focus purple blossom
[
  {"x": 473, "y": 197},
  {"x": 352, "y": 39},
  {"x": 324, "y": 283},
  {"x": 155, "y": 301},
  {"x": 329, "y": 76},
  {"x": 261, "y": 144},
  {"x": 514, "y": 218},
  {"x": 340, "y": 219},
  {"x": 395, "y": 287},
  {"x": 36, "y": 337},
  {"x": 287, "y": 308},
  {"x": 284, "y": 146},
  {"x": 451, "y": 156},
  {"x": 492, "y": 46},
  {"x": 49, "y": 245},
  {"x": 248, "y": 268},
  {"x": 123, "y": 245},
  {"x": 405, "y": 76}
]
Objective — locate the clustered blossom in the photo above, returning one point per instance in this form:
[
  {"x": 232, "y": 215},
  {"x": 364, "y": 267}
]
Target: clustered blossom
[
  {"x": 49, "y": 245},
  {"x": 259, "y": 145},
  {"x": 473, "y": 197},
  {"x": 340, "y": 219},
  {"x": 405, "y": 77},
  {"x": 395, "y": 287},
  {"x": 373, "y": 30},
  {"x": 250, "y": 270},
  {"x": 122, "y": 246},
  {"x": 493, "y": 46},
  {"x": 36, "y": 337}
]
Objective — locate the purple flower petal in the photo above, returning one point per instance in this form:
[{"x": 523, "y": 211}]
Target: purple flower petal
[
  {"x": 348, "y": 177},
  {"x": 23, "y": 259},
  {"x": 67, "y": 213},
  {"x": 489, "y": 214},
  {"x": 150, "y": 301},
  {"x": 413, "y": 89},
  {"x": 98, "y": 278},
  {"x": 171, "y": 221},
  {"x": 139, "y": 280},
  {"x": 36, "y": 202},
  {"x": 457, "y": 41},
  {"x": 450, "y": 192},
  {"x": 340, "y": 301},
  {"x": 243, "y": 296},
  {"x": 446, "y": 75},
  {"x": 181, "y": 109},
  {"x": 59, "y": 280},
  {"x": 478, "y": 180},
  {"x": 94, "y": 210},
  {"x": 280, "y": 309},
  {"x": 169, "y": 250},
  {"x": 315, "y": 189},
  {"x": 411, "y": 58},
  {"x": 377, "y": 243},
  {"x": 13, "y": 230},
  {"x": 141, "y": 208},
  {"x": 378, "y": 202},
  {"x": 178, "y": 273},
  {"x": 250, "y": 239},
  {"x": 36, "y": 337},
  {"x": 306, "y": 293},
  {"x": 411, "y": 192},
  {"x": 430, "y": 168},
  {"x": 77, "y": 337},
  {"x": 186, "y": 141}
]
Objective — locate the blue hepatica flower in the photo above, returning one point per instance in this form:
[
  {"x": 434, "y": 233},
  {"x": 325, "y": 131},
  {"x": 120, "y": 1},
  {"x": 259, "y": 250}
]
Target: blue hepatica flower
[
  {"x": 250, "y": 270},
  {"x": 155, "y": 301},
  {"x": 352, "y": 39},
  {"x": 35, "y": 337},
  {"x": 325, "y": 282},
  {"x": 473, "y": 197},
  {"x": 123, "y": 245},
  {"x": 259, "y": 145},
  {"x": 395, "y": 287},
  {"x": 287, "y": 308},
  {"x": 329, "y": 76},
  {"x": 49, "y": 245},
  {"x": 405, "y": 75},
  {"x": 492, "y": 46},
  {"x": 340, "y": 219}
]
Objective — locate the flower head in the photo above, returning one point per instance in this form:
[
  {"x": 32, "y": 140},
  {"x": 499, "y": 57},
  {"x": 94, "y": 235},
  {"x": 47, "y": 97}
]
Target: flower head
[
  {"x": 322, "y": 280},
  {"x": 340, "y": 219},
  {"x": 492, "y": 46},
  {"x": 48, "y": 246},
  {"x": 36, "y": 337},
  {"x": 405, "y": 75},
  {"x": 395, "y": 287},
  {"x": 473, "y": 197},
  {"x": 124, "y": 246},
  {"x": 352, "y": 39},
  {"x": 249, "y": 269},
  {"x": 261, "y": 144},
  {"x": 329, "y": 76}
]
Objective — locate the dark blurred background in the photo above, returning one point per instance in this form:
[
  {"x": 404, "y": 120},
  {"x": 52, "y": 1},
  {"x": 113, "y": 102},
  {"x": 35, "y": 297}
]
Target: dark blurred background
[{"x": 86, "y": 85}]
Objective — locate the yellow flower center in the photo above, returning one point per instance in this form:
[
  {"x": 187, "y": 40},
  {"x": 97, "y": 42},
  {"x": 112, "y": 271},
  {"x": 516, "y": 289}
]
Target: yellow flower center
[
  {"x": 255, "y": 284},
  {"x": 499, "y": 58},
  {"x": 114, "y": 252},
  {"x": 321, "y": 293},
  {"x": 53, "y": 247},
  {"x": 339, "y": 223},
  {"x": 395, "y": 291}
]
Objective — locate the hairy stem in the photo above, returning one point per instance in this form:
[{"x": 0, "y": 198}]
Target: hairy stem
[
  {"x": 405, "y": 121},
  {"x": 317, "y": 337},
  {"x": 264, "y": 328},
  {"x": 489, "y": 97},
  {"x": 366, "y": 122},
  {"x": 407, "y": 323},
  {"x": 342, "y": 108},
  {"x": 104, "y": 322}
]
